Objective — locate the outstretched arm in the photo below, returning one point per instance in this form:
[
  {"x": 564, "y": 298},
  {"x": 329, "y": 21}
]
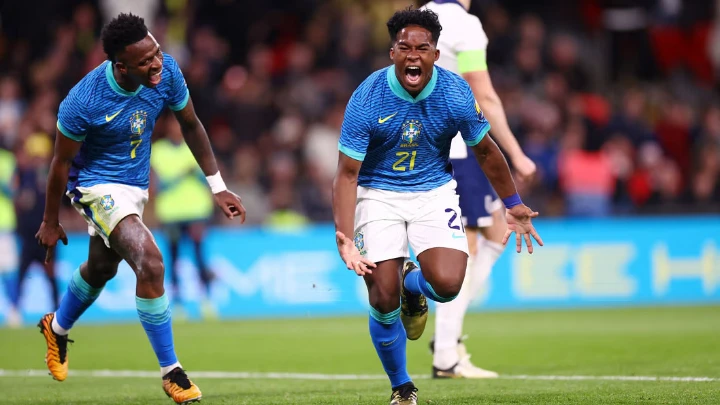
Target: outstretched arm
[
  {"x": 199, "y": 144},
  {"x": 519, "y": 216},
  {"x": 344, "y": 198},
  {"x": 472, "y": 65},
  {"x": 50, "y": 230},
  {"x": 344, "y": 195},
  {"x": 197, "y": 139},
  {"x": 495, "y": 167},
  {"x": 495, "y": 113}
]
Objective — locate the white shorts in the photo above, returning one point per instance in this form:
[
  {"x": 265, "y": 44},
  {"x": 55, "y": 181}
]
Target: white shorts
[
  {"x": 104, "y": 205},
  {"x": 387, "y": 221}
]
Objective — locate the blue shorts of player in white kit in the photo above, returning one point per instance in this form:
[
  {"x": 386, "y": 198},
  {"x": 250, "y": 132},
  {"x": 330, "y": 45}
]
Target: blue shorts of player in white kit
[{"x": 478, "y": 199}]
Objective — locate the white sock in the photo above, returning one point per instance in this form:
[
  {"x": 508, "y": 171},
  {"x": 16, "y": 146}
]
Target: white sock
[
  {"x": 487, "y": 254},
  {"x": 167, "y": 369},
  {"x": 57, "y": 328},
  {"x": 450, "y": 315},
  {"x": 448, "y": 325}
]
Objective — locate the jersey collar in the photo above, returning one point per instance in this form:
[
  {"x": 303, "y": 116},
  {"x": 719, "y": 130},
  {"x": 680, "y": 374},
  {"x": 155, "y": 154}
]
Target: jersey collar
[
  {"x": 114, "y": 84},
  {"x": 400, "y": 91}
]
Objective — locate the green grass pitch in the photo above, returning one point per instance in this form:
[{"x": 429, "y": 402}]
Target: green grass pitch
[{"x": 623, "y": 343}]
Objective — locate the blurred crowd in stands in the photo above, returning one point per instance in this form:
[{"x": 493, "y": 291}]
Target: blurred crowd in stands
[{"x": 615, "y": 100}]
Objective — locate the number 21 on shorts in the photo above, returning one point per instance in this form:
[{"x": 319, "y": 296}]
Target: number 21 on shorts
[{"x": 453, "y": 219}]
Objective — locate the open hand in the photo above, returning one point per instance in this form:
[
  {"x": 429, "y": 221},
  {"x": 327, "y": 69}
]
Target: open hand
[
  {"x": 351, "y": 256},
  {"x": 519, "y": 220}
]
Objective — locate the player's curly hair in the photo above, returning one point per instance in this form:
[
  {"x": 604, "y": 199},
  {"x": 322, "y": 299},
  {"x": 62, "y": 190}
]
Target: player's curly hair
[
  {"x": 412, "y": 16},
  {"x": 123, "y": 30}
]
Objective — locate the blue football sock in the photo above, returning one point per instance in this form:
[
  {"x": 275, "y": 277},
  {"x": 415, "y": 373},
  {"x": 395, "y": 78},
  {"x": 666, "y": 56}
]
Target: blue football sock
[
  {"x": 154, "y": 316},
  {"x": 389, "y": 338},
  {"x": 80, "y": 295},
  {"x": 415, "y": 283}
]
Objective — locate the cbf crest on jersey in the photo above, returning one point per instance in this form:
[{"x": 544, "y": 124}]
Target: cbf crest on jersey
[
  {"x": 138, "y": 121},
  {"x": 411, "y": 131}
]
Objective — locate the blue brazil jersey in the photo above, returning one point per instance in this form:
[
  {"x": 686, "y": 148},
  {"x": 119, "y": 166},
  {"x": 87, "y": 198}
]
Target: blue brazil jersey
[
  {"x": 404, "y": 142},
  {"x": 116, "y": 125}
]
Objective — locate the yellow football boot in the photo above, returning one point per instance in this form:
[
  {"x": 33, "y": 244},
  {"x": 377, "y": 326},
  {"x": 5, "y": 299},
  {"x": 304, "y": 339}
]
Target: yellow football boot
[{"x": 178, "y": 386}]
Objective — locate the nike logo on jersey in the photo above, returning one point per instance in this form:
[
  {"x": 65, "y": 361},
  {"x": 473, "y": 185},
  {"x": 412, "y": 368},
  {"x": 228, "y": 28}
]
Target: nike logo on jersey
[
  {"x": 381, "y": 120},
  {"x": 458, "y": 236},
  {"x": 110, "y": 118}
]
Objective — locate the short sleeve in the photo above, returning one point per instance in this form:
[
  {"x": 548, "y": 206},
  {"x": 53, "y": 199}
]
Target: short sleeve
[
  {"x": 471, "y": 122},
  {"x": 73, "y": 121},
  {"x": 355, "y": 130},
  {"x": 472, "y": 47},
  {"x": 179, "y": 93}
]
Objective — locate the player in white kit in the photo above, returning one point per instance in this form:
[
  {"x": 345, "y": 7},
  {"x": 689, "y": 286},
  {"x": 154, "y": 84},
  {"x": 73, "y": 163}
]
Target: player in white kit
[{"x": 462, "y": 50}]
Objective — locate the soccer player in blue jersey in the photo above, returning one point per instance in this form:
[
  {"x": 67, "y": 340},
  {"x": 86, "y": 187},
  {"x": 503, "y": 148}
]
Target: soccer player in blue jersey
[
  {"x": 394, "y": 187},
  {"x": 102, "y": 163}
]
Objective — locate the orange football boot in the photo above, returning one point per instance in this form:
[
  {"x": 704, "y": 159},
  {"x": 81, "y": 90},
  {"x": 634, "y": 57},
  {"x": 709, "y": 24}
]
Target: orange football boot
[
  {"x": 178, "y": 386},
  {"x": 56, "y": 357}
]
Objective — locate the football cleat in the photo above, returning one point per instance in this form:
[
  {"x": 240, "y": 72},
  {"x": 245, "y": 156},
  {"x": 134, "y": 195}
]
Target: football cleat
[
  {"x": 404, "y": 395},
  {"x": 414, "y": 307},
  {"x": 56, "y": 357},
  {"x": 178, "y": 386},
  {"x": 464, "y": 368}
]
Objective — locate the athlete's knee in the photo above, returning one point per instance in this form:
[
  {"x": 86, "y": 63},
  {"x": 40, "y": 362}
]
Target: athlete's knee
[
  {"x": 99, "y": 272},
  {"x": 150, "y": 269},
  {"x": 104, "y": 272},
  {"x": 383, "y": 299},
  {"x": 447, "y": 284}
]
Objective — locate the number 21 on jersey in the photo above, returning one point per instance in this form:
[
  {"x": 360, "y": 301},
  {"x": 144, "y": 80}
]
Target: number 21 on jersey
[{"x": 400, "y": 165}]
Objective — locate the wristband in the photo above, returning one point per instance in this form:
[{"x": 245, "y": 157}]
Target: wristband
[
  {"x": 512, "y": 201},
  {"x": 216, "y": 183}
]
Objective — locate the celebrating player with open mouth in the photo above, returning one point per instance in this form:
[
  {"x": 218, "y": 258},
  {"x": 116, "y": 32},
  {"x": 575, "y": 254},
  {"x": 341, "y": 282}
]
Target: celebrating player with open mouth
[
  {"x": 102, "y": 162},
  {"x": 394, "y": 187}
]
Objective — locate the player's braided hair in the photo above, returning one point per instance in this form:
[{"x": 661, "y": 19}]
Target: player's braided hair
[
  {"x": 123, "y": 30},
  {"x": 411, "y": 16}
]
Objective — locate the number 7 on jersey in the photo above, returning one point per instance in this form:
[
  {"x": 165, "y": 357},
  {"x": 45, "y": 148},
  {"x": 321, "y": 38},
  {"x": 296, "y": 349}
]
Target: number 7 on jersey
[{"x": 134, "y": 143}]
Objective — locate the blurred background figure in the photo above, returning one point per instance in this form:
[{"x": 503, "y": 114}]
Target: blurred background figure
[
  {"x": 33, "y": 162},
  {"x": 8, "y": 252},
  {"x": 183, "y": 206}
]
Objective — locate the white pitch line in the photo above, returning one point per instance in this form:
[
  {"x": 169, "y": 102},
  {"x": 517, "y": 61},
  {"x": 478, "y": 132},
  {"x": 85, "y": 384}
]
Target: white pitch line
[{"x": 230, "y": 375}]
